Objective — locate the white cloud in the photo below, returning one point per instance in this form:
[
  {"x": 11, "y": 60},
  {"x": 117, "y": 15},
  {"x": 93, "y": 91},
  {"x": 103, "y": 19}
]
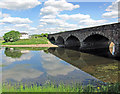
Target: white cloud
[
  {"x": 18, "y": 4},
  {"x": 61, "y": 5},
  {"x": 53, "y": 7},
  {"x": 52, "y": 21},
  {"x": 57, "y": 67},
  {"x": 19, "y": 73},
  {"x": 49, "y": 10},
  {"x": 82, "y": 20},
  {"x": 90, "y": 22},
  {"x": 15, "y": 20},
  {"x": 74, "y": 17},
  {"x": 48, "y": 17},
  {"x": 22, "y": 25},
  {"x": 32, "y": 28},
  {"x": 9, "y": 60},
  {"x": 112, "y": 10}
]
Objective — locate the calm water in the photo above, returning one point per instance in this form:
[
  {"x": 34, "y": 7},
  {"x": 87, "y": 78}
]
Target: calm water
[{"x": 41, "y": 65}]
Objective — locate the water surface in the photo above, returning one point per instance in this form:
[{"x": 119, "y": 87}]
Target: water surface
[{"x": 42, "y": 65}]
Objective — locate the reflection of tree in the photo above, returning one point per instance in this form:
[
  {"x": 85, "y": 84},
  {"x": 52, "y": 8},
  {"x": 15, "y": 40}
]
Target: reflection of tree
[
  {"x": 12, "y": 53},
  {"x": 46, "y": 51}
]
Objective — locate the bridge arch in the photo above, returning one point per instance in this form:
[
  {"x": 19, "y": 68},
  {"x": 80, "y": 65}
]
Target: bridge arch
[
  {"x": 72, "y": 41},
  {"x": 96, "y": 41},
  {"x": 60, "y": 40},
  {"x": 52, "y": 40}
]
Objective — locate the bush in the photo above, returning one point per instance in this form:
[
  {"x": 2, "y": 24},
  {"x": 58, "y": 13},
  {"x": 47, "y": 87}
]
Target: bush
[{"x": 11, "y": 36}]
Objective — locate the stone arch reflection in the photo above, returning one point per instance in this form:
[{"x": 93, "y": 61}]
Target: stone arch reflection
[{"x": 73, "y": 55}]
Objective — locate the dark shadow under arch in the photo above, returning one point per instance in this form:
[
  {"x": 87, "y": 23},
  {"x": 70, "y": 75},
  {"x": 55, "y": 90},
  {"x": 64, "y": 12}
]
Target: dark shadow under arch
[
  {"x": 52, "y": 40},
  {"x": 60, "y": 40},
  {"x": 72, "y": 41},
  {"x": 96, "y": 41}
]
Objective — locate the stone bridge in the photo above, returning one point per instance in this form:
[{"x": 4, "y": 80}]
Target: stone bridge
[{"x": 90, "y": 38}]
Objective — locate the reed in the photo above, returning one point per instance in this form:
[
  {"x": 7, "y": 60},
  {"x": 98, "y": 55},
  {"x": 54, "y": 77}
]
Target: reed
[{"x": 51, "y": 87}]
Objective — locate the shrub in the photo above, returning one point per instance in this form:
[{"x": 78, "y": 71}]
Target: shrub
[{"x": 11, "y": 36}]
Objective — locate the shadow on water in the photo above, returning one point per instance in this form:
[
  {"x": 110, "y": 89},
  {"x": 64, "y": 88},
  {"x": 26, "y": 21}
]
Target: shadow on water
[
  {"x": 103, "y": 52},
  {"x": 98, "y": 63}
]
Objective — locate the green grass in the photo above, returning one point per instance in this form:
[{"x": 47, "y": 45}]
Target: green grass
[
  {"x": 42, "y": 40},
  {"x": 59, "y": 88}
]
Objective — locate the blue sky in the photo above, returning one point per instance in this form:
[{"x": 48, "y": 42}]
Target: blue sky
[{"x": 51, "y": 16}]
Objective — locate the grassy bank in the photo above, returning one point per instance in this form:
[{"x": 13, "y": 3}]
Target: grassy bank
[
  {"x": 42, "y": 40},
  {"x": 59, "y": 88}
]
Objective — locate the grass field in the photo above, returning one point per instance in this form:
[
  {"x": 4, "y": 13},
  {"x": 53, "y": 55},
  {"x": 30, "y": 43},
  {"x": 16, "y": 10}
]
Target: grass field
[
  {"x": 42, "y": 40},
  {"x": 50, "y": 87}
]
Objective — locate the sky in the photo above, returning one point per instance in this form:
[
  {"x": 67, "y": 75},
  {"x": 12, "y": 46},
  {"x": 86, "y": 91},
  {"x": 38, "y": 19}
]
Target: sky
[{"x": 52, "y": 16}]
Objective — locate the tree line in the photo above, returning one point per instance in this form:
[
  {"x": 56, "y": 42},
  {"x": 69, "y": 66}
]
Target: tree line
[{"x": 13, "y": 36}]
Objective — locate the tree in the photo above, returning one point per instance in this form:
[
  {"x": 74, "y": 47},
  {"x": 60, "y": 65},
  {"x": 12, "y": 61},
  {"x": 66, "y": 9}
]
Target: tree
[
  {"x": 44, "y": 35},
  {"x": 11, "y": 36}
]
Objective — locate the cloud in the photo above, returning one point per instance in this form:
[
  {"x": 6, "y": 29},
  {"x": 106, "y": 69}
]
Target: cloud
[
  {"x": 18, "y": 4},
  {"x": 9, "y": 60},
  {"x": 112, "y": 10},
  {"x": 82, "y": 20},
  {"x": 90, "y": 22},
  {"x": 74, "y": 17},
  {"x": 53, "y": 65},
  {"x": 52, "y": 21},
  {"x": 61, "y": 5},
  {"x": 22, "y": 25},
  {"x": 20, "y": 72},
  {"x": 15, "y": 20},
  {"x": 53, "y": 7}
]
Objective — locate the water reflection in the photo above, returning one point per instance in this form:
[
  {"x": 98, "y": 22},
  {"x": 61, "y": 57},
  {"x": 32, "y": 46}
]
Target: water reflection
[
  {"x": 40, "y": 66},
  {"x": 12, "y": 52},
  {"x": 97, "y": 65}
]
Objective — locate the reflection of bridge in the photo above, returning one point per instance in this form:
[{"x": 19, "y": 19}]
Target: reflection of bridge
[
  {"x": 90, "y": 38},
  {"x": 86, "y": 62}
]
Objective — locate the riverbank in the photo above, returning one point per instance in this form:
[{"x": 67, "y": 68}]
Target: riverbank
[
  {"x": 38, "y": 42},
  {"x": 31, "y": 41}
]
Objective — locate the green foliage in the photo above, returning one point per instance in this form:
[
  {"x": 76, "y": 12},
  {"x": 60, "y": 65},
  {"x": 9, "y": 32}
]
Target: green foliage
[
  {"x": 44, "y": 35},
  {"x": 42, "y": 40},
  {"x": 11, "y": 36},
  {"x": 38, "y": 36},
  {"x": 51, "y": 87},
  {"x": 12, "y": 53}
]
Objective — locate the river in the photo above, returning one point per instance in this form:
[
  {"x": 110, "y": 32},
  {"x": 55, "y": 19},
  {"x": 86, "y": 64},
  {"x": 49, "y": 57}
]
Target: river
[{"x": 42, "y": 65}]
